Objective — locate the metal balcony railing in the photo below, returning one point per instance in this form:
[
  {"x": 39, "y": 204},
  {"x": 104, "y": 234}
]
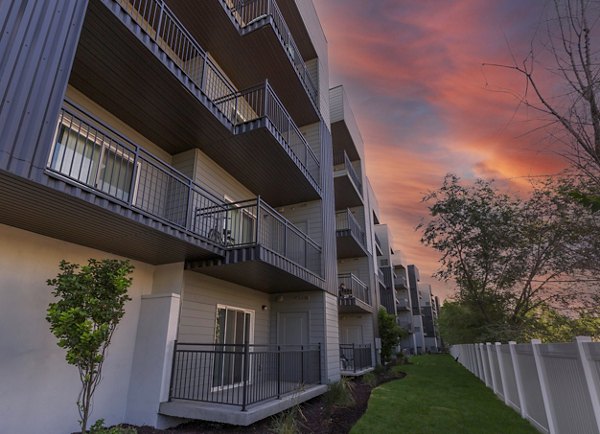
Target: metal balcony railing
[
  {"x": 253, "y": 222},
  {"x": 353, "y": 287},
  {"x": 247, "y": 12},
  {"x": 406, "y": 325},
  {"x": 346, "y": 221},
  {"x": 90, "y": 154},
  {"x": 380, "y": 275},
  {"x": 355, "y": 357},
  {"x": 400, "y": 282},
  {"x": 342, "y": 158},
  {"x": 402, "y": 303},
  {"x": 165, "y": 29},
  {"x": 242, "y": 374},
  {"x": 262, "y": 102}
]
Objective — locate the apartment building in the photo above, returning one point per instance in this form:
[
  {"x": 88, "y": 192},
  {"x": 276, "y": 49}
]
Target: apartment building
[
  {"x": 404, "y": 303},
  {"x": 414, "y": 277},
  {"x": 357, "y": 297},
  {"x": 430, "y": 311},
  {"x": 193, "y": 138}
]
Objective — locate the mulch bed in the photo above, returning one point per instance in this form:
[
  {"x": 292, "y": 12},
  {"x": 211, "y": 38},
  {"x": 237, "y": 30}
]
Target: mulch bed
[{"x": 315, "y": 418}]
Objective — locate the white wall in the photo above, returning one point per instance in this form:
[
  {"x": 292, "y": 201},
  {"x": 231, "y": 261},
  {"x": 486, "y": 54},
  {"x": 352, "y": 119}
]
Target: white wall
[{"x": 35, "y": 379}]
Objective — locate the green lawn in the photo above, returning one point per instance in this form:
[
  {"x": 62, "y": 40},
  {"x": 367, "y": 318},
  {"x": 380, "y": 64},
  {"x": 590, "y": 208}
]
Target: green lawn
[{"x": 438, "y": 396}]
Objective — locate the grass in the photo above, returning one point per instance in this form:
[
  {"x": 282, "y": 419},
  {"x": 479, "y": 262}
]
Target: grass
[{"x": 438, "y": 396}]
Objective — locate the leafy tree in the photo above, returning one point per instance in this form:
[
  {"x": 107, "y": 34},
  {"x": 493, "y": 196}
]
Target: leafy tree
[
  {"x": 509, "y": 256},
  {"x": 390, "y": 334},
  {"x": 91, "y": 302}
]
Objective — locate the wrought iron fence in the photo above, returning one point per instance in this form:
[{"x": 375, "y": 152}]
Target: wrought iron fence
[
  {"x": 353, "y": 287},
  {"x": 248, "y": 12},
  {"x": 254, "y": 222},
  {"x": 345, "y": 220},
  {"x": 242, "y": 374},
  {"x": 355, "y": 357},
  {"x": 165, "y": 29},
  {"x": 262, "y": 102},
  {"x": 95, "y": 156}
]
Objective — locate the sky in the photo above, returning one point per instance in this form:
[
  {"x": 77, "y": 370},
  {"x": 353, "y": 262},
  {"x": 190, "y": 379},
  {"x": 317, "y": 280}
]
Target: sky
[{"x": 427, "y": 102}]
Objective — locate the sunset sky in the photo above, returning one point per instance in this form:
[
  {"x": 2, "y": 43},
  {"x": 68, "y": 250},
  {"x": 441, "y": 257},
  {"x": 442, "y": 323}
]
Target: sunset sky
[{"x": 426, "y": 106}]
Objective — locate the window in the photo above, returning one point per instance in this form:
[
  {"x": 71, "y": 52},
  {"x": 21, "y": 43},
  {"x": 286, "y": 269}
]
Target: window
[
  {"x": 234, "y": 327},
  {"x": 86, "y": 155}
]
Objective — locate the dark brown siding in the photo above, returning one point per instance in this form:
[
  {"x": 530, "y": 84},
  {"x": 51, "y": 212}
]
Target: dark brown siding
[{"x": 37, "y": 47}]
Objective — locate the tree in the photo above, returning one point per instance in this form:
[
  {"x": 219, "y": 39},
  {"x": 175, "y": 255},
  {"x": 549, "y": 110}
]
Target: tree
[
  {"x": 390, "y": 334},
  {"x": 510, "y": 256},
  {"x": 91, "y": 302},
  {"x": 561, "y": 81}
]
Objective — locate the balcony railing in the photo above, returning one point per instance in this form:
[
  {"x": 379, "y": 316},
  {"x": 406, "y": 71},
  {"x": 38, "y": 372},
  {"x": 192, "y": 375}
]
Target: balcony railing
[
  {"x": 165, "y": 29},
  {"x": 261, "y": 102},
  {"x": 247, "y": 12},
  {"x": 242, "y": 374},
  {"x": 400, "y": 282},
  {"x": 402, "y": 303},
  {"x": 90, "y": 154},
  {"x": 353, "y": 287},
  {"x": 406, "y": 325},
  {"x": 381, "y": 275},
  {"x": 354, "y": 357},
  {"x": 345, "y": 220},
  {"x": 378, "y": 243},
  {"x": 343, "y": 159},
  {"x": 98, "y": 158},
  {"x": 253, "y": 222}
]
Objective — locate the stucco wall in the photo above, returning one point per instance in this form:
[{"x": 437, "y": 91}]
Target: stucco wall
[{"x": 34, "y": 376}]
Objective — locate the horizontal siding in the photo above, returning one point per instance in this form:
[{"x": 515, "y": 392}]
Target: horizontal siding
[
  {"x": 336, "y": 106},
  {"x": 202, "y": 294},
  {"x": 37, "y": 49},
  {"x": 357, "y": 266}
]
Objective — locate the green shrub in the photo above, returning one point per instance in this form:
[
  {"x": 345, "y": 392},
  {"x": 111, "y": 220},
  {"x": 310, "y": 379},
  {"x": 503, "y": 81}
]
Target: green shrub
[
  {"x": 340, "y": 393},
  {"x": 370, "y": 378},
  {"x": 287, "y": 422},
  {"x": 99, "y": 428}
]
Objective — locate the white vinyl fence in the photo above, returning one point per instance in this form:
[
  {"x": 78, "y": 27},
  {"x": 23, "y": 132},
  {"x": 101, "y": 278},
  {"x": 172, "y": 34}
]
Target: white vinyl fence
[{"x": 554, "y": 386}]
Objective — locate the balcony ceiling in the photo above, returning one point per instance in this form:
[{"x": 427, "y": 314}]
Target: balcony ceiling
[
  {"x": 71, "y": 214},
  {"x": 342, "y": 140},
  {"x": 346, "y": 194},
  {"x": 258, "y": 268},
  {"x": 249, "y": 59},
  {"x": 125, "y": 76},
  {"x": 292, "y": 17}
]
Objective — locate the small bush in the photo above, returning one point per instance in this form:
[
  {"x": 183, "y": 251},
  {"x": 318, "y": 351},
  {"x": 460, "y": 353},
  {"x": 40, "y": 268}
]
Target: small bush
[
  {"x": 379, "y": 370},
  {"x": 287, "y": 422},
  {"x": 340, "y": 393},
  {"x": 370, "y": 378},
  {"x": 99, "y": 428}
]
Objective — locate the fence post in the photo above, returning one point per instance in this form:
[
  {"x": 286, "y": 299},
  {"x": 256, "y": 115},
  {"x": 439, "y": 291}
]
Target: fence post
[
  {"x": 592, "y": 381},
  {"x": 518, "y": 378},
  {"x": 246, "y": 375},
  {"x": 490, "y": 350},
  {"x": 484, "y": 364},
  {"x": 541, "y": 371},
  {"x": 173, "y": 370},
  {"x": 278, "y": 372},
  {"x": 480, "y": 371},
  {"x": 302, "y": 364},
  {"x": 502, "y": 372}
]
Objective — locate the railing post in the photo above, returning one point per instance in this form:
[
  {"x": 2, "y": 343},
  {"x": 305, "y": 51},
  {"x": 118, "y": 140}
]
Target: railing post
[
  {"x": 203, "y": 77},
  {"x": 246, "y": 374},
  {"x": 266, "y": 100},
  {"x": 161, "y": 13},
  {"x": 593, "y": 384},
  {"x": 354, "y": 356},
  {"x": 518, "y": 378},
  {"x": 302, "y": 364},
  {"x": 541, "y": 372},
  {"x": 258, "y": 220},
  {"x": 320, "y": 376},
  {"x": 190, "y": 207},
  {"x": 285, "y": 237},
  {"x": 172, "y": 382},
  {"x": 278, "y": 372},
  {"x": 133, "y": 185}
]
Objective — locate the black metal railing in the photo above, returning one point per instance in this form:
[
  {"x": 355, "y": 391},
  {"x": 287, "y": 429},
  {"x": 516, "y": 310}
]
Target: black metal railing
[
  {"x": 352, "y": 286},
  {"x": 403, "y": 304},
  {"x": 165, "y": 29},
  {"x": 400, "y": 282},
  {"x": 253, "y": 222},
  {"x": 262, "y": 102},
  {"x": 342, "y": 158},
  {"x": 355, "y": 357},
  {"x": 242, "y": 374},
  {"x": 387, "y": 276},
  {"x": 248, "y": 12},
  {"x": 345, "y": 220},
  {"x": 94, "y": 156}
]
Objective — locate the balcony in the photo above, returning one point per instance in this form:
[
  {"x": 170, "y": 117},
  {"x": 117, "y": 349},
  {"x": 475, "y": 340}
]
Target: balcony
[
  {"x": 402, "y": 304},
  {"x": 406, "y": 325},
  {"x": 267, "y": 136},
  {"x": 353, "y": 294},
  {"x": 350, "y": 236},
  {"x": 241, "y": 384},
  {"x": 347, "y": 183},
  {"x": 378, "y": 248},
  {"x": 113, "y": 195},
  {"x": 355, "y": 359},
  {"x": 187, "y": 100},
  {"x": 263, "y": 249},
  {"x": 400, "y": 282},
  {"x": 251, "y": 41},
  {"x": 344, "y": 129}
]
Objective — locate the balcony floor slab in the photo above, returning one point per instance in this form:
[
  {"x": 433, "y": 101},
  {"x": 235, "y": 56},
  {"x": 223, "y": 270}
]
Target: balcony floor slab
[{"x": 234, "y": 415}]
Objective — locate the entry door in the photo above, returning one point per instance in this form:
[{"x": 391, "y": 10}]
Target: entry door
[{"x": 234, "y": 329}]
